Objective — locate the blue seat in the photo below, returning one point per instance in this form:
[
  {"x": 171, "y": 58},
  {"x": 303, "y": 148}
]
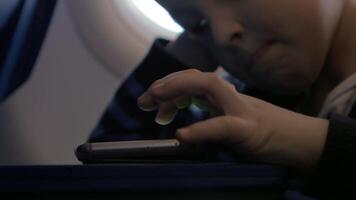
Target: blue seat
[{"x": 23, "y": 26}]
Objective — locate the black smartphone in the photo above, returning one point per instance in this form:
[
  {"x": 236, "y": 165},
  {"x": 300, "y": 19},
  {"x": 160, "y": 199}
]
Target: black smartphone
[{"x": 168, "y": 150}]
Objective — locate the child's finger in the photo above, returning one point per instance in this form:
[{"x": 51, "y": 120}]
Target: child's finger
[
  {"x": 169, "y": 76},
  {"x": 146, "y": 102},
  {"x": 166, "y": 113},
  {"x": 192, "y": 83},
  {"x": 220, "y": 129},
  {"x": 183, "y": 102}
]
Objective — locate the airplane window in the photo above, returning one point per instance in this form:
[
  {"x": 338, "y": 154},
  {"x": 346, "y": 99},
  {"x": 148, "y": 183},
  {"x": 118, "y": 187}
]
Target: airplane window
[
  {"x": 156, "y": 13},
  {"x": 106, "y": 26}
]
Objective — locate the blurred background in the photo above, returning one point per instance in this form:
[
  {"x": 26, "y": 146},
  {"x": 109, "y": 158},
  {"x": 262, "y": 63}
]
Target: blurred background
[{"x": 89, "y": 47}]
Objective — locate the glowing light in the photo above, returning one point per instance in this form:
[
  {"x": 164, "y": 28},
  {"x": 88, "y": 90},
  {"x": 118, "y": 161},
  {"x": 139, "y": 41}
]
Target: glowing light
[{"x": 157, "y": 14}]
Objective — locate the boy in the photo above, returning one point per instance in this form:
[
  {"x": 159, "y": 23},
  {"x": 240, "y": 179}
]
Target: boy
[{"x": 284, "y": 47}]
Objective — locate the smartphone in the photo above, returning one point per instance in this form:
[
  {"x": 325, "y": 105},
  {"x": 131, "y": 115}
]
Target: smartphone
[{"x": 169, "y": 150}]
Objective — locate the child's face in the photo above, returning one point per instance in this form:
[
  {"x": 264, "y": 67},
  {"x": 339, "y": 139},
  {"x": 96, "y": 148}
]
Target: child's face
[{"x": 278, "y": 45}]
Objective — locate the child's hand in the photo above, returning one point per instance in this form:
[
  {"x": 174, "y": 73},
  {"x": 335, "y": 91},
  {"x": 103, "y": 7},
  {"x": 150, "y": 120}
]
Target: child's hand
[{"x": 254, "y": 127}]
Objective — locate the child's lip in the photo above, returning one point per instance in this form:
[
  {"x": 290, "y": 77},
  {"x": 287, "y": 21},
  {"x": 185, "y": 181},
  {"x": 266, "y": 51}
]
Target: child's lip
[{"x": 260, "y": 52}]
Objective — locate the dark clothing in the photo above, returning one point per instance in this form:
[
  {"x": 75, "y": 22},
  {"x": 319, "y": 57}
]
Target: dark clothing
[
  {"x": 123, "y": 120},
  {"x": 335, "y": 175}
]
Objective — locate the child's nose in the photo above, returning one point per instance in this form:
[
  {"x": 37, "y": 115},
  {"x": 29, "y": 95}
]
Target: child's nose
[{"x": 228, "y": 33}]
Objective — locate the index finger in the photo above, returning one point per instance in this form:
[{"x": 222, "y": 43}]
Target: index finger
[{"x": 194, "y": 83}]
